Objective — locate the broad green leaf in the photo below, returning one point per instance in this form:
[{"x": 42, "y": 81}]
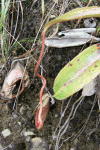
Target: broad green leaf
[
  {"x": 85, "y": 12},
  {"x": 78, "y": 72}
]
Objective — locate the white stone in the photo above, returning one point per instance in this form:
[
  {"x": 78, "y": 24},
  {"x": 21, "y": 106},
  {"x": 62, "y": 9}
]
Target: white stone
[
  {"x": 28, "y": 138},
  {"x": 72, "y": 149},
  {"x": 28, "y": 133},
  {"x": 6, "y": 133}
]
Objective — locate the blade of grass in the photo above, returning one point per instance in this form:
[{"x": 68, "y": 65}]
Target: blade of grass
[
  {"x": 42, "y": 11},
  {"x": 4, "y": 9},
  {"x": 43, "y": 7}
]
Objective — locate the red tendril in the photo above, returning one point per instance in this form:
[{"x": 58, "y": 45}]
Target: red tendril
[{"x": 39, "y": 119}]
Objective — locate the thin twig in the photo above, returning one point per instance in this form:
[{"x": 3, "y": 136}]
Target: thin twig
[
  {"x": 16, "y": 24},
  {"x": 66, "y": 124},
  {"x": 83, "y": 127}
]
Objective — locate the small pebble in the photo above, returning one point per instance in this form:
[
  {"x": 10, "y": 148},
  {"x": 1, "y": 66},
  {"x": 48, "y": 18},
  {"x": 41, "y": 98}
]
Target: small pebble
[
  {"x": 27, "y": 133},
  {"x": 72, "y": 149},
  {"x": 6, "y": 133},
  {"x": 56, "y": 115},
  {"x": 22, "y": 110},
  {"x": 28, "y": 138},
  {"x": 38, "y": 144},
  {"x": 19, "y": 123},
  {"x": 90, "y": 23}
]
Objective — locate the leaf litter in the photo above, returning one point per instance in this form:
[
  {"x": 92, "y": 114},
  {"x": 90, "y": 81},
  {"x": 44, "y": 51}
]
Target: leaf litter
[{"x": 73, "y": 37}]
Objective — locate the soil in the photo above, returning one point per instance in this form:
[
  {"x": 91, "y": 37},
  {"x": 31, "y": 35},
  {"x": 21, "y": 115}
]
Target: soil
[{"x": 20, "y": 120}]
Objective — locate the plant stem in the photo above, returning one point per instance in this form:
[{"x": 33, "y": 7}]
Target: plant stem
[{"x": 40, "y": 122}]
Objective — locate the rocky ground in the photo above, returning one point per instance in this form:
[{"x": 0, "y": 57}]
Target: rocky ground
[{"x": 17, "y": 124}]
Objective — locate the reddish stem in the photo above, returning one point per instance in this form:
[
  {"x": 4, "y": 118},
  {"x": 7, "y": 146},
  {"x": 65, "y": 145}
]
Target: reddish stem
[{"x": 39, "y": 121}]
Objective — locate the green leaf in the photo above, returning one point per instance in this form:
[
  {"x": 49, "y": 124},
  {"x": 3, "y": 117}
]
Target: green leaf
[
  {"x": 42, "y": 7},
  {"x": 78, "y": 72},
  {"x": 2, "y": 6},
  {"x": 85, "y": 12},
  {"x": 4, "y": 10},
  {"x": 98, "y": 29}
]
